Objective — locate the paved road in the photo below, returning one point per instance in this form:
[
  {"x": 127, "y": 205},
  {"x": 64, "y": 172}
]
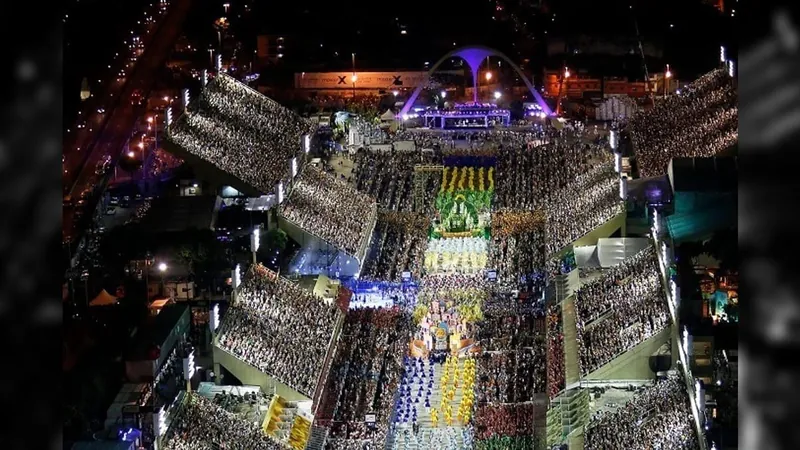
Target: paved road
[
  {"x": 79, "y": 141},
  {"x": 122, "y": 119}
]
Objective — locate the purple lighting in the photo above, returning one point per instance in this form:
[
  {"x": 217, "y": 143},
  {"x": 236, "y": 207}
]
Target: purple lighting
[{"x": 473, "y": 56}]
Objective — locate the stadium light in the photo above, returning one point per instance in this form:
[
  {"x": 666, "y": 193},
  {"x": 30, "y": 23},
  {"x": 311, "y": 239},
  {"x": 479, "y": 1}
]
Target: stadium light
[{"x": 497, "y": 95}]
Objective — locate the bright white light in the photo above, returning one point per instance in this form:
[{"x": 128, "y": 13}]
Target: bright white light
[
  {"x": 488, "y": 76},
  {"x": 722, "y": 54},
  {"x": 395, "y": 93},
  {"x": 162, "y": 267},
  {"x": 131, "y": 154},
  {"x": 497, "y": 95},
  {"x": 731, "y": 69},
  {"x": 405, "y": 116},
  {"x": 444, "y": 94},
  {"x": 354, "y": 78}
]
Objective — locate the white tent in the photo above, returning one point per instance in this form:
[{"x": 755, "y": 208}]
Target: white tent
[{"x": 388, "y": 116}]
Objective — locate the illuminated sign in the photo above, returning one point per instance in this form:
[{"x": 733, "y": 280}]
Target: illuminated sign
[
  {"x": 294, "y": 167},
  {"x": 371, "y": 80},
  {"x": 612, "y": 139},
  {"x": 306, "y": 143},
  {"x": 188, "y": 366},
  {"x": 205, "y": 77},
  {"x": 255, "y": 239},
  {"x": 623, "y": 188},
  {"x": 237, "y": 276},
  {"x": 617, "y": 162},
  {"x": 161, "y": 423},
  {"x": 280, "y": 192},
  {"x": 219, "y": 63},
  {"x": 214, "y": 318}
]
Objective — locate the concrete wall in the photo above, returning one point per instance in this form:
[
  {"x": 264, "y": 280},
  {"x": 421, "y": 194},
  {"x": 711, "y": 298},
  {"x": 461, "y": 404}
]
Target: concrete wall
[
  {"x": 250, "y": 375},
  {"x": 603, "y": 231},
  {"x": 633, "y": 364}
]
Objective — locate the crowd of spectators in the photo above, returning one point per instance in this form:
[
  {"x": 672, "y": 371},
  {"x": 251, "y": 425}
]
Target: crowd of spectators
[
  {"x": 511, "y": 376},
  {"x": 508, "y": 330},
  {"x": 620, "y": 309},
  {"x": 241, "y": 132},
  {"x": 473, "y": 142},
  {"x": 504, "y": 420},
  {"x": 199, "y": 424},
  {"x": 366, "y": 374},
  {"x": 163, "y": 162},
  {"x": 280, "y": 328},
  {"x": 701, "y": 121},
  {"x": 517, "y": 250},
  {"x": 528, "y": 178},
  {"x": 399, "y": 246},
  {"x": 590, "y": 201},
  {"x": 389, "y": 177},
  {"x": 556, "y": 368},
  {"x": 657, "y": 417},
  {"x": 332, "y": 210}
]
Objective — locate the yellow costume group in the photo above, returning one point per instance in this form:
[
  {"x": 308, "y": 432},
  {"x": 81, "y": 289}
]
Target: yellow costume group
[{"x": 452, "y": 378}]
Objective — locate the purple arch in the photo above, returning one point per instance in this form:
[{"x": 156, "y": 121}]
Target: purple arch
[{"x": 473, "y": 57}]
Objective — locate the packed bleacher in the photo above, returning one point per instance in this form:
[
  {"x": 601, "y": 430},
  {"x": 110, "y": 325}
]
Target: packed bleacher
[
  {"x": 701, "y": 121},
  {"x": 331, "y": 210},
  {"x": 590, "y": 201},
  {"x": 399, "y": 246},
  {"x": 200, "y": 424},
  {"x": 657, "y": 417},
  {"x": 241, "y": 132},
  {"x": 517, "y": 249},
  {"x": 504, "y": 420},
  {"x": 280, "y": 328},
  {"x": 511, "y": 376},
  {"x": 622, "y": 308},
  {"x": 527, "y": 178},
  {"x": 389, "y": 177},
  {"x": 366, "y": 374},
  {"x": 556, "y": 367}
]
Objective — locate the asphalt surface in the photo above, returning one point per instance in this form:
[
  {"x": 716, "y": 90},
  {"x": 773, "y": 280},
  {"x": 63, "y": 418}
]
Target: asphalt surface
[{"x": 121, "y": 121}]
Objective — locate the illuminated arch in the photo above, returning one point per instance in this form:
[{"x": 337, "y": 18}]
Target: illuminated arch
[{"x": 473, "y": 56}]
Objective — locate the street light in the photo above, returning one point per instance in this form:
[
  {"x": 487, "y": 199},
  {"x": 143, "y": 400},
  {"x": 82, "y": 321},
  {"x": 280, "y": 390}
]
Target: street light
[
  {"x": 667, "y": 76},
  {"x": 162, "y": 267}
]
